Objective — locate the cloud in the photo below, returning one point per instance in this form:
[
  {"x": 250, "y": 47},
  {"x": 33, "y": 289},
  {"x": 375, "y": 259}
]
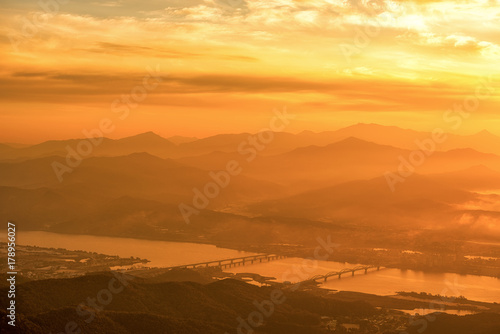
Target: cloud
[
  {"x": 266, "y": 50},
  {"x": 454, "y": 43},
  {"x": 347, "y": 93}
]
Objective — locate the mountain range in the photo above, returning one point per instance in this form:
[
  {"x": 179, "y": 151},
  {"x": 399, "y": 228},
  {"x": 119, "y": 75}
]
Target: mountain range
[
  {"x": 335, "y": 178},
  {"x": 178, "y": 146}
]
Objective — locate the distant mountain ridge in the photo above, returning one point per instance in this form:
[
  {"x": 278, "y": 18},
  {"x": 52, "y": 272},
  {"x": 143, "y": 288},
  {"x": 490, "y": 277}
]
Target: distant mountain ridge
[{"x": 179, "y": 146}]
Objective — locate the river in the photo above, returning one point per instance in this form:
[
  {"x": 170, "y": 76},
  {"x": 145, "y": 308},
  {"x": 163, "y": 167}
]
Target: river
[
  {"x": 383, "y": 282},
  {"x": 159, "y": 253}
]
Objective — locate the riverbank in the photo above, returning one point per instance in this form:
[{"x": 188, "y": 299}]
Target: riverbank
[
  {"x": 411, "y": 301},
  {"x": 399, "y": 258},
  {"x": 474, "y": 258}
]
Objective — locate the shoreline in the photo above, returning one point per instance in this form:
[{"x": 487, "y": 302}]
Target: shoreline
[{"x": 344, "y": 255}]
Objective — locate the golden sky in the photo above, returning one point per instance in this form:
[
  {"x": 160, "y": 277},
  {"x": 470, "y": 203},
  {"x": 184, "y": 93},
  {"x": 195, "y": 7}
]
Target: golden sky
[{"x": 226, "y": 64}]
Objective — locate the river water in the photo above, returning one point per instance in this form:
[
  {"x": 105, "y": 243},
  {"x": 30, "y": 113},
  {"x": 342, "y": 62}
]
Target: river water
[
  {"x": 159, "y": 253},
  {"x": 383, "y": 282}
]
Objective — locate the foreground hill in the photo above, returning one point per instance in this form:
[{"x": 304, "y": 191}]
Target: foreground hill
[
  {"x": 486, "y": 323},
  {"x": 133, "y": 305},
  {"x": 172, "y": 307}
]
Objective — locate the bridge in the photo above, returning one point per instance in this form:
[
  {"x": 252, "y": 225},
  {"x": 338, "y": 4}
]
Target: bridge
[
  {"x": 234, "y": 262},
  {"x": 339, "y": 273}
]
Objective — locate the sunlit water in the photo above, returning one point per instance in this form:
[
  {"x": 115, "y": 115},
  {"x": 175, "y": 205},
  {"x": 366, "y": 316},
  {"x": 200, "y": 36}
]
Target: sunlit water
[
  {"x": 389, "y": 281},
  {"x": 383, "y": 282},
  {"x": 160, "y": 253},
  {"x": 425, "y": 311}
]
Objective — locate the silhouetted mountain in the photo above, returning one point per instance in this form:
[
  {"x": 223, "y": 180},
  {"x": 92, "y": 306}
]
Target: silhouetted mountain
[
  {"x": 51, "y": 147},
  {"x": 30, "y": 173},
  {"x": 139, "y": 218},
  {"x": 181, "y": 139},
  {"x": 145, "y": 142},
  {"x": 16, "y": 145},
  {"x": 137, "y": 175},
  {"x": 482, "y": 141},
  {"x": 453, "y": 160},
  {"x": 39, "y": 208},
  {"x": 380, "y": 134},
  {"x": 281, "y": 142},
  {"x": 477, "y": 177},
  {"x": 347, "y": 160},
  {"x": 5, "y": 148},
  {"x": 354, "y": 159},
  {"x": 312, "y": 166},
  {"x": 179, "y": 147},
  {"x": 141, "y": 191},
  {"x": 372, "y": 203}
]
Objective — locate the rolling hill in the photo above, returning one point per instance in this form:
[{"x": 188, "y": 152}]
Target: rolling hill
[
  {"x": 418, "y": 202},
  {"x": 137, "y": 175},
  {"x": 170, "y": 307},
  {"x": 477, "y": 177}
]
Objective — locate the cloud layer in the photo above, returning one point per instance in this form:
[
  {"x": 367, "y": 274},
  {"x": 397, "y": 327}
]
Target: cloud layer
[{"x": 323, "y": 58}]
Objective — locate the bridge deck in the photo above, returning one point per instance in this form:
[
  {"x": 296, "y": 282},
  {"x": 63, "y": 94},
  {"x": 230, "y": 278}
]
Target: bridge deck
[
  {"x": 233, "y": 261},
  {"x": 343, "y": 271}
]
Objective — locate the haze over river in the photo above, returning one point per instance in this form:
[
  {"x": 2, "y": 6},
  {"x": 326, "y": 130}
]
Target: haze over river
[{"x": 383, "y": 282}]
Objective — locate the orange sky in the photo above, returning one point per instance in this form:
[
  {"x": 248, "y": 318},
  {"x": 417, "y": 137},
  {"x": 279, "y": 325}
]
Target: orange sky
[{"x": 226, "y": 64}]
